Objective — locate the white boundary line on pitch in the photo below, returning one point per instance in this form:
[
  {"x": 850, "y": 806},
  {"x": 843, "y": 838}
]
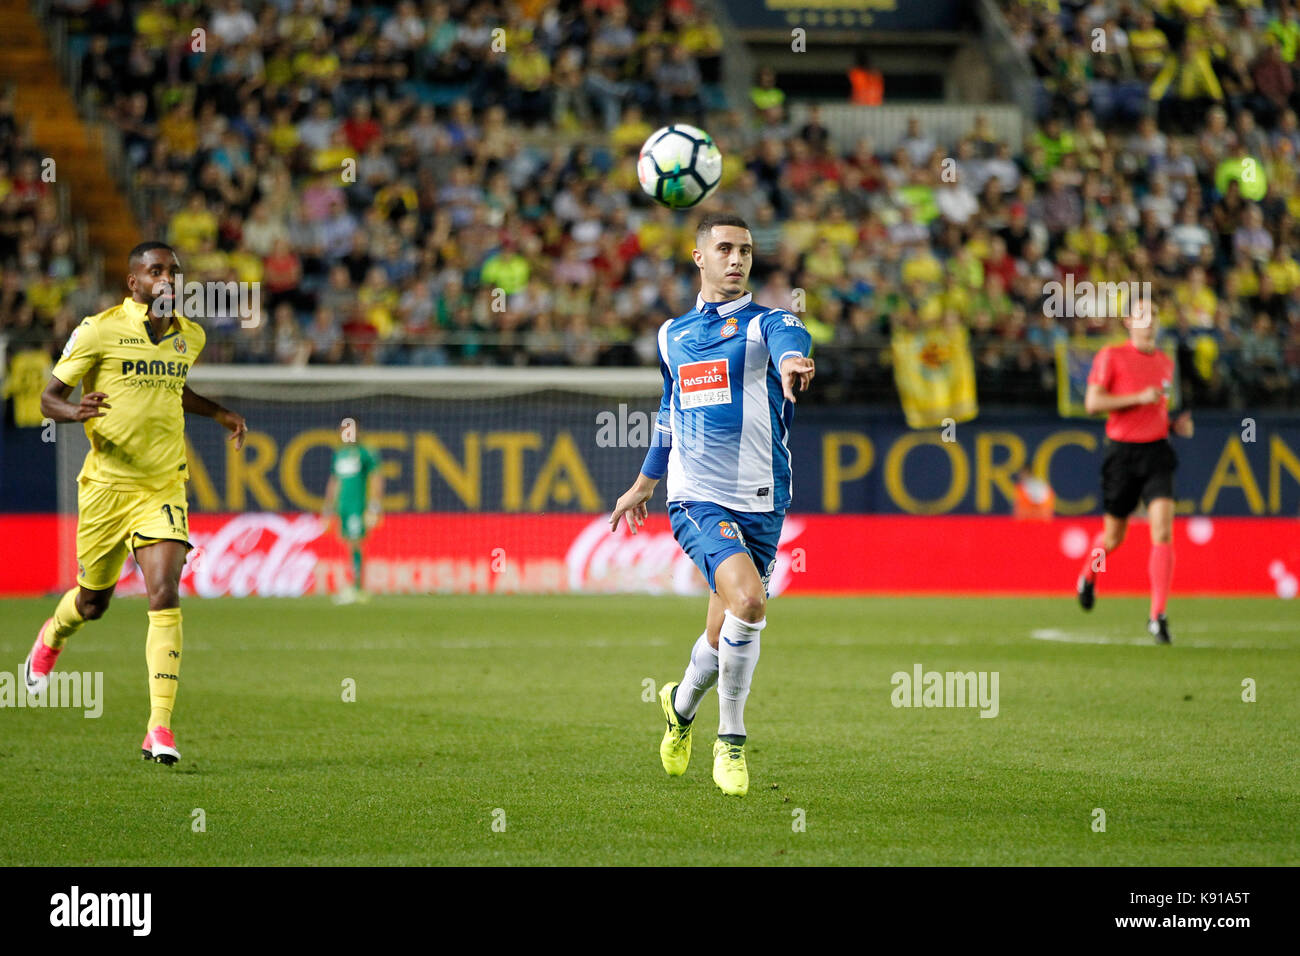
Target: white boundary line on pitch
[{"x": 1066, "y": 637}]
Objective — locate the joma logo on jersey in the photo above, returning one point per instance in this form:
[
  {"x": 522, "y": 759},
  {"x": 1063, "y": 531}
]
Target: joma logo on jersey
[
  {"x": 130, "y": 341},
  {"x": 704, "y": 383},
  {"x": 155, "y": 367}
]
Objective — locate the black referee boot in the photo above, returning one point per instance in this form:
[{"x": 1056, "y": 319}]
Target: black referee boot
[
  {"x": 1159, "y": 629},
  {"x": 1087, "y": 596}
]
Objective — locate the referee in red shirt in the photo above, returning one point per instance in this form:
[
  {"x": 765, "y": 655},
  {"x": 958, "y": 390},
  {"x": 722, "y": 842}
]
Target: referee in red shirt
[{"x": 1131, "y": 383}]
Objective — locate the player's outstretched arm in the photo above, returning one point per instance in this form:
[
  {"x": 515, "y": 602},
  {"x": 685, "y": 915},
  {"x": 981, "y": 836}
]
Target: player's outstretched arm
[
  {"x": 790, "y": 345},
  {"x": 233, "y": 422},
  {"x": 633, "y": 501},
  {"x": 56, "y": 407}
]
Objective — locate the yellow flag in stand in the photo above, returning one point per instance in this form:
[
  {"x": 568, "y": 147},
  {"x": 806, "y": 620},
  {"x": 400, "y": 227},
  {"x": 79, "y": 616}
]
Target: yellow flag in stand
[
  {"x": 29, "y": 371},
  {"x": 935, "y": 375}
]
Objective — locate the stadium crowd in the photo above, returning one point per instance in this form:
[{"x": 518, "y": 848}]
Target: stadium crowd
[
  {"x": 43, "y": 282},
  {"x": 455, "y": 183}
]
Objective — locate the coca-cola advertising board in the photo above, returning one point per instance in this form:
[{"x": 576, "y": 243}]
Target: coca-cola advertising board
[{"x": 288, "y": 555}]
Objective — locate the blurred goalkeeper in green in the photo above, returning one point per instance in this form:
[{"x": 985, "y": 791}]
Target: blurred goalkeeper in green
[{"x": 353, "y": 494}]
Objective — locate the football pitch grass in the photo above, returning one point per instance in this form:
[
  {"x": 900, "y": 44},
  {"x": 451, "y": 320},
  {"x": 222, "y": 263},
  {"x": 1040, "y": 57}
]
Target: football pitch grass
[{"x": 523, "y": 730}]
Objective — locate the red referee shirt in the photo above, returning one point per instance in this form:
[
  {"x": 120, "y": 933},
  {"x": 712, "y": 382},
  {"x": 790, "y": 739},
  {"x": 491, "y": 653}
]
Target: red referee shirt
[{"x": 1123, "y": 370}]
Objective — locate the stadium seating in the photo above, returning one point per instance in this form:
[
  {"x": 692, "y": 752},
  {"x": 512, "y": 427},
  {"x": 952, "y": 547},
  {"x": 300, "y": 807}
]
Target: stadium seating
[{"x": 464, "y": 143}]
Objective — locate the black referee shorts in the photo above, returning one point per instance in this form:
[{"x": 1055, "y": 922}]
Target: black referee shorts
[{"x": 1133, "y": 470}]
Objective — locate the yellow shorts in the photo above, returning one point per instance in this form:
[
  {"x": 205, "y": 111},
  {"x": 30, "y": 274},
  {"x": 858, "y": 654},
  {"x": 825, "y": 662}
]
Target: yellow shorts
[{"x": 113, "y": 521}]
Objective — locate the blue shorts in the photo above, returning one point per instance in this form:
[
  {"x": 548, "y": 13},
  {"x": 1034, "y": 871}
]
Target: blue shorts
[{"x": 709, "y": 534}]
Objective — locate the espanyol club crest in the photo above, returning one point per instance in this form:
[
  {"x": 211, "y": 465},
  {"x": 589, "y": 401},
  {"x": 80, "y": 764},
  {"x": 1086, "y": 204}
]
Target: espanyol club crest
[
  {"x": 731, "y": 530},
  {"x": 730, "y": 328},
  {"x": 178, "y": 343}
]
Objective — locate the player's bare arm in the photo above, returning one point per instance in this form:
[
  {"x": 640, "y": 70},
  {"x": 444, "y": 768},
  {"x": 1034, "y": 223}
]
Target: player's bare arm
[
  {"x": 632, "y": 503},
  {"x": 56, "y": 407},
  {"x": 233, "y": 422},
  {"x": 1182, "y": 425},
  {"x": 1097, "y": 400}
]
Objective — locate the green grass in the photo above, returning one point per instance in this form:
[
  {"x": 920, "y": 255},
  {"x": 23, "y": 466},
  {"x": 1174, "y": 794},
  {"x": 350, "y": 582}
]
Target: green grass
[{"x": 534, "y": 706}]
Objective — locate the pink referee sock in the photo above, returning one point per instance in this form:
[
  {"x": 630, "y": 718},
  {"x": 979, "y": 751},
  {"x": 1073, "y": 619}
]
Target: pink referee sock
[
  {"x": 1161, "y": 567},
  {"x": 1089, "y": 571}
]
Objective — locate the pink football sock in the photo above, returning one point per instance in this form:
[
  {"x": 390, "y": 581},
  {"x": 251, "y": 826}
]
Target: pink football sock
[
  {"x": 1089, "y": 572},
  {"x": 1161, "y": 567}
]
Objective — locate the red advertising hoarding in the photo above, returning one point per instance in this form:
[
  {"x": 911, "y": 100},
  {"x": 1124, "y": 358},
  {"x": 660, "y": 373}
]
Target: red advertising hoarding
[{"x": 273, "y": 554}]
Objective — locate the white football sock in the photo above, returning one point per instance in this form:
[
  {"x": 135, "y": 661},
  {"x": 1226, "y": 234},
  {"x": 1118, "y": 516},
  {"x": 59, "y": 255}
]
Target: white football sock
[
  {"x": 737, "y": 657},
  {"x": 701, "y": 674}
]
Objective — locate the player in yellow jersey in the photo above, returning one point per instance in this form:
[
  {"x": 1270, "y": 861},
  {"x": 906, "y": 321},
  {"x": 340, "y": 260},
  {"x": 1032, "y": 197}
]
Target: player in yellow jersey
[{"x": 132, "y": 361}]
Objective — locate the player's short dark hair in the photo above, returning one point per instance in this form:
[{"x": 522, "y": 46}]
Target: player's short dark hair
[
  {"x": 717, "y": 219},
  {"x": 134, "y": 255}
]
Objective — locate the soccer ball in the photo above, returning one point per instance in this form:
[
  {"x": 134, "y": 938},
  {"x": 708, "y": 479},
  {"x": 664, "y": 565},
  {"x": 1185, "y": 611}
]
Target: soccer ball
[{"x": 679, "y": 166}]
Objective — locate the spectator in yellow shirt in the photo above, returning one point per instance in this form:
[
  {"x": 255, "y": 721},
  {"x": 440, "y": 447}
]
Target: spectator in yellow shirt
[
  {"x": 248, "y": 267},
  {"x": 1191, "y": 75},
  {"x": 1148, "y": 45},
  {"x": 1242, "y": 276},
  {"x": 529, "y": 73},
  {"x": 957, "y": 297},
  {"x": 283, "y": 134},
  {"x": 837, "y": 228},
  {"x": 1196, "y": 300},
  {"x": 208, "y": 264},
  {"x": 1087, "y": 241},
  {"x": 631, "y": 132},
  {"x": 966, "y": 269},
  {"x": 155, "y": 25},
  {"x": 528, "y": 69},
  {"x": 316, "y": 64},
  {"x": 701, "y": 36},
  {"x": 922, "y": 267},
  {"x": 799, "y": 232},
  {"x": 179, "y": 130},
  {"x": 1283, "y": 270},
  {"x": 824, "y": 262},
  {"x": 657, "y": 234},
  {"x": 330, "y": 159},
  {"x": 191, "y": 224},
  {"x": 46, "y": 295},
  {"x": 378, "y": 300},
  {"x": 1194, "y": 9}
]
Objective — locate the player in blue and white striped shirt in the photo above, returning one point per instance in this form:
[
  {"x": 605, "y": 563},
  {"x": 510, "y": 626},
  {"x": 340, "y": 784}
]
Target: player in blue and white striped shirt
[{"x": 730, "y": 371}]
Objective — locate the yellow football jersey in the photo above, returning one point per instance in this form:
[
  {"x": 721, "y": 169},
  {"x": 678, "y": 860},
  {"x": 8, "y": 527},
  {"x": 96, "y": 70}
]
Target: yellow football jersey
[{"x": 140, "y": 441}]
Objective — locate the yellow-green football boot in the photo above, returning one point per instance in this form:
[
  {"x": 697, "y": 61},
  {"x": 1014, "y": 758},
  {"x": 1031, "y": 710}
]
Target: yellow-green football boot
[
  {"x": 729, "y": 770},
  {"x": 675, "y": 749}
]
